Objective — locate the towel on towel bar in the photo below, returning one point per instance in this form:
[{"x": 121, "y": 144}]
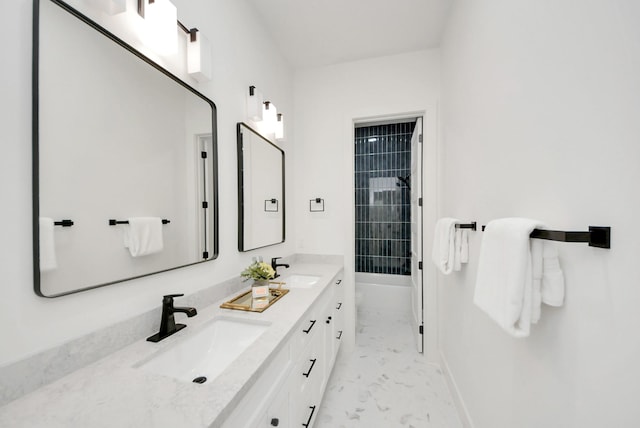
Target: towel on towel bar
[
  {"x": 460, "y": 248},
  {"x": 552, "y": 288},
  {"x": 513, "y": 272},
  {"x": 450, "y": 245},
  {"x": 47, "y": 245},
  {"x": 143, "y": 236},
  {"x": 443, "y": 244},
  {"x": 548, "y": 280}
]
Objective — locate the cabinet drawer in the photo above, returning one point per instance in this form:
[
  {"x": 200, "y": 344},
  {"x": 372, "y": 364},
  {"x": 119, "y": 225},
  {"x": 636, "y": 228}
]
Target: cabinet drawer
[
  {"x": 309, "y": 371},
  {"x": 310, "y": 325},
  {"x": 305, "y": 412}
]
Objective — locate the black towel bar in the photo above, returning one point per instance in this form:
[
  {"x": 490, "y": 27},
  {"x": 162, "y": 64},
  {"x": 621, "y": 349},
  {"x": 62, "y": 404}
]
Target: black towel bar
[
  {"x": 274, "y": 204},
  {"x": 63, "y": 223},
  {"x": 597, "y": 236},
  {"x": 471, "y": 225},
  {"x": 113, "y": 222},
  {"x": 319, "y": 205}
]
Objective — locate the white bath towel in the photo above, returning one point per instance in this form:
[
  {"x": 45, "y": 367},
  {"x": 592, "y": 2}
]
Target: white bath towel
[
  {"x": 143, "y": 236},
  {"x": 47, "y": 254},
  {"x": 443, "y": 252},
  {"x": 504, "y": 285}
]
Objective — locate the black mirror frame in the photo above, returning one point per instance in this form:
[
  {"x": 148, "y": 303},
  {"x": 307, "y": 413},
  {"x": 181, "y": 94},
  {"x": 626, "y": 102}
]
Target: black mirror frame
[
  {"x": 241, "y": 189},
  {"x": 35, "y": 147}
]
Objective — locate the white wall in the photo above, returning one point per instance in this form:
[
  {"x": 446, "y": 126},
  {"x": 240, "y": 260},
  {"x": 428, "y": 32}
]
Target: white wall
[
  {"x": 541, "y": 101},
  {"x": 327, "y": 101},
  {"x": 243, "y": 55}
]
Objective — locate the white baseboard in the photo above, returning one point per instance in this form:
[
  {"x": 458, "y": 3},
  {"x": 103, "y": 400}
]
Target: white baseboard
[{"x": 465, "y": 418}]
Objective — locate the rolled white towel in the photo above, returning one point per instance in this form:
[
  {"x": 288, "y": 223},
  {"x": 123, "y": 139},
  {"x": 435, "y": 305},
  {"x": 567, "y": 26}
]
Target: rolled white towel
[{"x": 47, "y": 254}]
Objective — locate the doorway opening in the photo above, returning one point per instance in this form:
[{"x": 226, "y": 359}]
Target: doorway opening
[
  {"x": 388, "y": 214},
  {"x": 382, "y": 197}
]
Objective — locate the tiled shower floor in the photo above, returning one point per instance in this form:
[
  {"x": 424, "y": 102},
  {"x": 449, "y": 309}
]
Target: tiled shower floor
[{"x": 385, "y": 383}]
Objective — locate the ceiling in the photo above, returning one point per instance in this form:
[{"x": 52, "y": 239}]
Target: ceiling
[{"x": 322, "y": 32}]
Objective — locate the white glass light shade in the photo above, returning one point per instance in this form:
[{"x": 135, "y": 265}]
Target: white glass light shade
[
  {"x": 269, "y": 116},
  {"x": 254, "y": 104},
  {"x": 161, "y": 26},
  {"x": 199, "y": 60},
  {"x": 110, "y": 7},
  {"x": 279, "y": 129}
]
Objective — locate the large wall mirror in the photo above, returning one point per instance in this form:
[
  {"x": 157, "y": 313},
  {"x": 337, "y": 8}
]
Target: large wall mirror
[
  {"x": 260, "y": 191},
  {"x": 124, "y": 160}
]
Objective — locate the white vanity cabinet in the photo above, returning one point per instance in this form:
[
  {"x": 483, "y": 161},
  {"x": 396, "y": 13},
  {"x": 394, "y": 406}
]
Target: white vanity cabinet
[
  {"x": 308, "y": 378},
  {"x": 289, "y": 392}
]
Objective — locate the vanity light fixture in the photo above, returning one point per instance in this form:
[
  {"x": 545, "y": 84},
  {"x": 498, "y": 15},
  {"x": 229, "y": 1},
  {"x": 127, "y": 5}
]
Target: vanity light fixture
[
  {"x": 199, "y": 63},
  {"x": 269, "y": 115},
  {"x": 279, "y": 128},
  {"x": 254, "y": 104},
  {"x": 160, "y": 17},
  {"x": 110, "y": 7}
]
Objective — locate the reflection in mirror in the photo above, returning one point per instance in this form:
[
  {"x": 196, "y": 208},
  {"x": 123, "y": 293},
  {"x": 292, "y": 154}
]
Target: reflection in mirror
[
  {"x": 116, "y": 137},
  {"x": 260, "y": 191}
]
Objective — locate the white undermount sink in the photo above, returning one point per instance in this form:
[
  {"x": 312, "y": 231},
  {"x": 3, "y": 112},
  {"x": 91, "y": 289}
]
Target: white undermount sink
[
  {"x": 208, "y": 352},
  {"x": 299, "y": 281}
]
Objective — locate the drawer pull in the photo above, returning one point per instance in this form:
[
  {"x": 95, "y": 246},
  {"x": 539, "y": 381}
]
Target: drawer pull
[
  {"x": 313, "y": 409},
  {"x": 339, "y": 335},
  {"x": 338, "y": 282},
  {"x": 313, "y": 322},
  {"x": 339, "y": 305},
  {"x": 328, "y": 320},
  {"x": 275, "y": 422},
  {"x": 313, "y": 363}
]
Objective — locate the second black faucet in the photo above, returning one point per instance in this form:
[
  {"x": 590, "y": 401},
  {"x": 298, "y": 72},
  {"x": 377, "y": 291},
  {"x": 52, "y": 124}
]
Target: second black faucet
[{"x": 275, "y": 265}]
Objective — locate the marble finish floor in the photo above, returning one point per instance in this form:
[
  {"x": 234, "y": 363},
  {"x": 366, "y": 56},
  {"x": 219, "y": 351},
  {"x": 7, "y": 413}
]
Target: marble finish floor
[{"x": 385, "y": 382}]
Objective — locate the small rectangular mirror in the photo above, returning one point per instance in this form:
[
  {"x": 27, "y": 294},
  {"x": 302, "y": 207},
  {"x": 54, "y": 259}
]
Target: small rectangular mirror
[
  {"x": 115, "y": 137},
  {"x": 261, "y": 199}
]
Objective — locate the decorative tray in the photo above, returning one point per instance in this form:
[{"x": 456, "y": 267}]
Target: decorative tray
[{"x": 245, "y": 302}]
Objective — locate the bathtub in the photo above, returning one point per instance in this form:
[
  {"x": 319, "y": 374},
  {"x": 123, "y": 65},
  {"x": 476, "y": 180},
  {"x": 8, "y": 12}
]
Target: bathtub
[{"x": 381, "y": 292}]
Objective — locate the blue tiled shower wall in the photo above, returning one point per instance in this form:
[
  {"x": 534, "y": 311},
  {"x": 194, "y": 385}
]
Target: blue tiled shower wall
[{"x": 382, "y": 195}]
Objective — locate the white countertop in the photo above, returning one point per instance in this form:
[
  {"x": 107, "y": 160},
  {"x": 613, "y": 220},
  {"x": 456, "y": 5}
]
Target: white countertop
[{"x": 112, "y": 392}]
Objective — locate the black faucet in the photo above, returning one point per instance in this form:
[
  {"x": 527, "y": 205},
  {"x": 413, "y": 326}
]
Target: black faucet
[
  {"x": 275, "y": 265},
  {"x": 168, "y": 324}
]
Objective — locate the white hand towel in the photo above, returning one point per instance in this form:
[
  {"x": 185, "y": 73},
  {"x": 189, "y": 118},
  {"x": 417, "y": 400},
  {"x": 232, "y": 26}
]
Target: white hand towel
[
  {"x": 464, "y": 246},
  {"x": 47, "y": 245},
  {"x": 504, "y": 285},
  {"x": 537, "y": 248},
  {"x": 552, "y": 277},
  {"x": 461, "y": 249},
  {"x": 457, "y": 244},
  {"x": 444, "y": 244},
  {"x": 143, "y": 236}
]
